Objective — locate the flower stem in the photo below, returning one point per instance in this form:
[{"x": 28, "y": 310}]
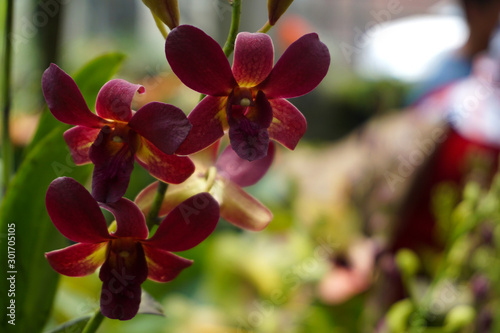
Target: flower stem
[
  {"x": 7, "y": 155},
  {"x": 160, "y": 25},
  {"x": 233, "y": 30},
  {"x": 265, "y": 28},
  {"x": 94, "y": 322},
  {"x": 152, "y": 218}
]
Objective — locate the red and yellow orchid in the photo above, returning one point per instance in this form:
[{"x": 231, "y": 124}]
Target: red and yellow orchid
[
  {"x": 127, "y": 257},
  {"x": 115, "y": 135},
  {"x": 224, "y": 178},
  {"x": 249, "y": 98}
]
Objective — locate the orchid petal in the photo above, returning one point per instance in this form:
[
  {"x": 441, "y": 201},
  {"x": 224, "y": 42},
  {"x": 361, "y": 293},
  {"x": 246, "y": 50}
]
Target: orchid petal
[
  {"x": 187, "y": 225},
  {"x": 129, "y": 219},
  {"x": 248, "y": 139},
  {"x": 79, "y": 140},
  {"x": 299, "y": 70},
  {"x": 209, "y": 120},
  {"x": 164, "y": 266},
  {"x": 240, "y": 171},
  {"x": 175, "y": 195},
  {"x": 168, "y": 168},
  {"x": 248, "y": 127},
  {"x": 289, "y": 125},
  {"x": 115, "y": 98},
  {"x": 164, "y": 125},
  {"x": 262, "y": 112},
  {"x": 253, "y": 58},
  {"x": 206, "y": 158},
  {"x": 114, "y": 162},
  {"x": 78, "y": 260},
  {"x": 65, "y": 100},
  {"x": 74, "y": 212},
  {"x": 122, "y": 277},
  {"x": 243, "y": 210},
  {"x": 198, "y": 61}
]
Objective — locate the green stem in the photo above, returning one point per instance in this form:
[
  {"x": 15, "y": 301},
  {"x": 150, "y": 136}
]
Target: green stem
[
  {"x": 94, "y": 322},
  {"x": 160, "y": 25},
  {"x": 265, "y": 28},
  {"x": 7, "y": 155},
  {"x": 152, "y": 218},
  {"x": 233, "y": 30}
]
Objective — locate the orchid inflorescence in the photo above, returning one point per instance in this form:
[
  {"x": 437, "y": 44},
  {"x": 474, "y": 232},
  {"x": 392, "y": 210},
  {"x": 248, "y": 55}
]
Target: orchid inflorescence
[{"x": 247, "y": 101}]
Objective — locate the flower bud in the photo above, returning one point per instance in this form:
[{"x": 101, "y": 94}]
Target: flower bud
[
  {"x": 165, "y": 10},
  {"x": 276, "y": 8},
  {"x": 407, "y": 262},
  {"x": 459, "y": 317}
]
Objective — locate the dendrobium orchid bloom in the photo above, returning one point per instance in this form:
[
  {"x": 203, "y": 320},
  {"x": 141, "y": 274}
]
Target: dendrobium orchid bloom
[
  {"x": 248, "y": 99},
  {"x": 223, "y": 177},
  {"x": 112, "y": 138},
  {"x": 127, "y": 257}
]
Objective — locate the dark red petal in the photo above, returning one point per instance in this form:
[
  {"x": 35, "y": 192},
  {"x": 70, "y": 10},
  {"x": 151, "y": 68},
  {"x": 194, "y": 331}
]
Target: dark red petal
[
  {"x": 187, "y": 225},
  {"x": 198, "y": 61},
  {"x": 114, "y": 163},
  {"x": 77, "y": 260},
  {"x": 79, "y": 140},
  {"x": 121, "y": 281},
  {"x": 299, "y": 70},
  {"x": 209, "y": 120},
  {"x": 253, "y": 58},
  {"x": 240, "y": 171},
  {"x": 289, "y": 125},
  {"x": 248, "y": 127},
  {"x": 164, "y": 125},
  {"x": 74, "y": 212},
  {"x": 243, "y": 210},
  {"x": 164, "y": 266},
  {"x": 171, "y": 169},
  {"x": 129, "y": 219},
  {"x": 248, "y": 140},
  {"x": 114, "y": 99},
  {"x": 65, "y": 100}
]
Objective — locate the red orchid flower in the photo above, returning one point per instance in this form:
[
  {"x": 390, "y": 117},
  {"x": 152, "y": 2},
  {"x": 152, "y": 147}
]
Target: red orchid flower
[
  {"x": 112, "y": 138},
  {"x": 224, "y": 178},
  {"x": 127, "y": 257},
  {"x": 249, "y": 99}
]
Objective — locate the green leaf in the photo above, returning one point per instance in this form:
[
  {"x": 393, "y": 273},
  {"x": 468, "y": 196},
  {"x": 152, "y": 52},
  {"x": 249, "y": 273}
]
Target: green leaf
[
  {"x": 23, "y": 208},
  {"x": 73, "y": 326},
  {"x": 89, "y": 79}
]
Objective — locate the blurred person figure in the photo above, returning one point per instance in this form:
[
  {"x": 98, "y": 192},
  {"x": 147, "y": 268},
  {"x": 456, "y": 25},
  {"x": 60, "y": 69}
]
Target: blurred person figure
[
  {"x": 482, "y": 20},
  {"x": 467, "y": 113}
]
